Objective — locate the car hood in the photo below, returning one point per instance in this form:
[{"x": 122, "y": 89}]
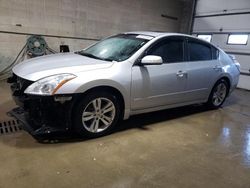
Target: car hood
[{"x": 40, "y": 67}]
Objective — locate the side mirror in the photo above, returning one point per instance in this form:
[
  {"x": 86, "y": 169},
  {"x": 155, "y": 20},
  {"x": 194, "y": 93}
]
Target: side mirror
[{"x": 151, "y": 60}]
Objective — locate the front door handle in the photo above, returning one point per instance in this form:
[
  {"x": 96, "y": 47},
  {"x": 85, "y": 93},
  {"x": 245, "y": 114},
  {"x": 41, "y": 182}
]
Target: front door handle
[{"x": 181, "y": 74}]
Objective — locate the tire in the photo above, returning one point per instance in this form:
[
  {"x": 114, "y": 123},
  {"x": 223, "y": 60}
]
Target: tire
[
  {"x": 96, "y": 114},
  {"x": 218, "y": 94}
]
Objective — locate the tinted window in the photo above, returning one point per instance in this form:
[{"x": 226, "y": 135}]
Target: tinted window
[
  {"x": 199, "y": 52},
  {"x": 169, "y": 50}
]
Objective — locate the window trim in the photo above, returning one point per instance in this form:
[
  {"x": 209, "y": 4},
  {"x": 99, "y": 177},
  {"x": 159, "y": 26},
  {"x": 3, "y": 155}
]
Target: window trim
[{"x": 237, "y": 43}]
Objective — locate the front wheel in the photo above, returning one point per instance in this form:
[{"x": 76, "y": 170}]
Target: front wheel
[
  {"x": 218, "y": 94},
  {"x": 96, "y": 114}
]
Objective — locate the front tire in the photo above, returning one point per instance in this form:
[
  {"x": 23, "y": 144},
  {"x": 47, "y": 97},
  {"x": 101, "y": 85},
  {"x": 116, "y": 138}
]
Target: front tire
[
  {"x": 218, "y": 94},
  {"x": 96, "y": 114}
]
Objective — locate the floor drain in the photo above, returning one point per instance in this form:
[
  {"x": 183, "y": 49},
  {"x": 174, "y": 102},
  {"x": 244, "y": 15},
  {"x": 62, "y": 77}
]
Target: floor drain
[{"x": 11, "y": 126}]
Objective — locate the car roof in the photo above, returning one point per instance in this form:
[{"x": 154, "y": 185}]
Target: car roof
[
  {"x": 160, "y": 34},
  {"x": 155, "y": 34}
]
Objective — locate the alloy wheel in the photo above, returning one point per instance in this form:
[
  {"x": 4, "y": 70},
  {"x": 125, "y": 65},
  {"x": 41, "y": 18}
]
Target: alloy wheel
[
  {"x": 98, "y": 115},
  {"x": 219, "y": 94}
]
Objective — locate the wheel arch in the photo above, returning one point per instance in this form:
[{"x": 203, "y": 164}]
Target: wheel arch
[
  {"x": 223, "y": 77},
  {"x": 122, "y": 97},
  {"x": 227, "y": 79}
]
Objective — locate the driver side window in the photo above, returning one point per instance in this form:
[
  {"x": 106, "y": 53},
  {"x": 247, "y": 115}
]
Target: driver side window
[{"x": 171, "y": 50}]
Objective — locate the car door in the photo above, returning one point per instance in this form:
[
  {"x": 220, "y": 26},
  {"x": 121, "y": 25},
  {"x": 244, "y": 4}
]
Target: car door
[
  {"x": 159, "y": 85},
  {"x": 203, "y": 69}
]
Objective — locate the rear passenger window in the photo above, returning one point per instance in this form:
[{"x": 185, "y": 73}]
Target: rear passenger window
[
  {"x": 170, "y": 51},
  {"x": 199, "y": 52}
]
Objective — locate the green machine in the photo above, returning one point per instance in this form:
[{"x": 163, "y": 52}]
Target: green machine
[{"x": 36, "y": 46}]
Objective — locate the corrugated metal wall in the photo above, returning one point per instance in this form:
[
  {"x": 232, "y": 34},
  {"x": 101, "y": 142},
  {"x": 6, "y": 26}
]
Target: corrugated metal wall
[{"x": 221, "y": 18}]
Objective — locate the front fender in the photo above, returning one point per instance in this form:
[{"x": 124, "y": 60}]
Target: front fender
[
  {"x": 97, "y": 83},
  {"x": 118, "y": 77},
  {"x": 109, "y": 83}
]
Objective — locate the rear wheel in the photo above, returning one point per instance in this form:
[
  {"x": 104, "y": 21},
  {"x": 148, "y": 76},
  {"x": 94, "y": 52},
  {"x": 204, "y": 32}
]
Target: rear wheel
[
  {"x": 96, "y": 114},
  {"x": 218, "y": 94}
]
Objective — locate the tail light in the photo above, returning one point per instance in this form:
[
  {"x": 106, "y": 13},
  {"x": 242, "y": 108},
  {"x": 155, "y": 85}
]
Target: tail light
[{"x": 237, "y": 64}]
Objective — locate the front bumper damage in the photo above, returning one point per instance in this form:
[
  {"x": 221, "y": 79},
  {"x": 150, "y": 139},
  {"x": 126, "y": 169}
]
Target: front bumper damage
[{"x": 41, "y": 115}]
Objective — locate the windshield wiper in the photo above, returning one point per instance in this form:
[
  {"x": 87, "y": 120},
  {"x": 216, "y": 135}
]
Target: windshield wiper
[
  {"x": 92, "y": 56},
  {"x": 88, "y": 55}
]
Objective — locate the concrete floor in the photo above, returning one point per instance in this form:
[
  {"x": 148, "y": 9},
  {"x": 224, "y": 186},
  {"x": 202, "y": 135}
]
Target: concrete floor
[{"x": 184, "y": 147}]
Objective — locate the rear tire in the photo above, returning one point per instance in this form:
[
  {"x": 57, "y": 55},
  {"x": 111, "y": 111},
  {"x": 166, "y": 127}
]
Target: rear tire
[
  {"x": 218, "y": 94},
  {"x": 96, "y": 114}
]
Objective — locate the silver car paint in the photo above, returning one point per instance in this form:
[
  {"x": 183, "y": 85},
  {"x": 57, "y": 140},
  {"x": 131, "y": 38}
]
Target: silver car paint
[
  {"x": 144, "y": 88},
  {"x": 40, "y": 67}
]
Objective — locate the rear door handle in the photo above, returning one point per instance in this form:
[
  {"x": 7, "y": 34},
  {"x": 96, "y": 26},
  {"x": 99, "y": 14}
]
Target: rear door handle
[
  {"x": 217, "y": 68},
  {"x": 181, "y": 74}
]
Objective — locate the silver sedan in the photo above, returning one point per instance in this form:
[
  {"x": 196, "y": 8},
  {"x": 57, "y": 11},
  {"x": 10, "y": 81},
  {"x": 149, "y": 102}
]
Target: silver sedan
[{"x": 90, "y": 90}]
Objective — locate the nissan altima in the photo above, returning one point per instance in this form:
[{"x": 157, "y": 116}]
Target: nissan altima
[{"x": 90, "y": 90}]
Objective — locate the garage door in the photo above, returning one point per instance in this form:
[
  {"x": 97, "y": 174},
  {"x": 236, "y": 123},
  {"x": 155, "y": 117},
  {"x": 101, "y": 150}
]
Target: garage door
[{"x": 226, "y": 24}]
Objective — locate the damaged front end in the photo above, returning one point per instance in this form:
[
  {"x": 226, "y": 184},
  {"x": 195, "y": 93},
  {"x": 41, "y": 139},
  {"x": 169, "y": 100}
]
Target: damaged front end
[{"x": 40, "y": 115}]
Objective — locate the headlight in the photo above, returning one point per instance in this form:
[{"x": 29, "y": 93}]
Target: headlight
[{"x": 49, "y": 85}]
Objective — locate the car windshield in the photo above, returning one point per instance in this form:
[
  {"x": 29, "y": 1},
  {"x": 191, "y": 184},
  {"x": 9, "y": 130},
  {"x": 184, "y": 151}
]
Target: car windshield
[{"x": 116, "y": 48}]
